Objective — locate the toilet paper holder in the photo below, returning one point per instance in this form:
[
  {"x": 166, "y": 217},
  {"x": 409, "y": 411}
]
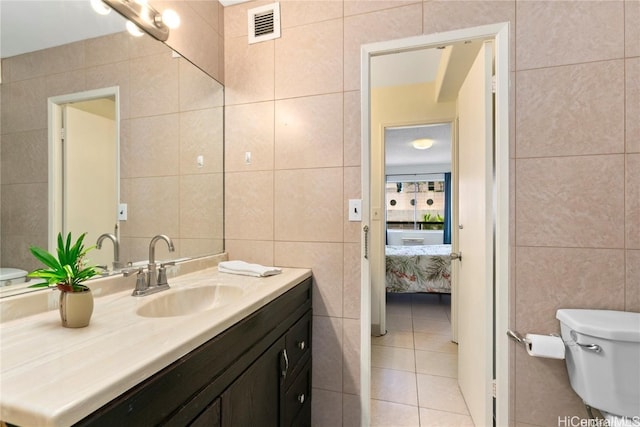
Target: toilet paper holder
[{"x": 515, "y": 335}]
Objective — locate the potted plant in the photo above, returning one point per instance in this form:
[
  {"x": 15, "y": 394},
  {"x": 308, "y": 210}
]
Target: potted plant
[{"x": 67, "y": 272}]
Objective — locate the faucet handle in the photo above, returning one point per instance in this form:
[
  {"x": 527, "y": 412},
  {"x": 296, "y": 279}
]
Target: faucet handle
[
  {"x": 162, "y": 273},
  {"x": 129, "y": 272}
]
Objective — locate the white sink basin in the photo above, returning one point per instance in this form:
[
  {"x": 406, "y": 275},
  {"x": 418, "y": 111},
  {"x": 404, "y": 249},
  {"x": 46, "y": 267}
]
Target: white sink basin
[{"x": 185, "y": 301}]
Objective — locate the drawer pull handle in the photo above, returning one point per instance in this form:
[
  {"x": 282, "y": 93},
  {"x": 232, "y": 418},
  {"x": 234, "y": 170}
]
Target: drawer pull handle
[
  {"x": 301, "y": 398},
  {"x": 302, "y": 345},
  {"x": 284, "y": 363}
]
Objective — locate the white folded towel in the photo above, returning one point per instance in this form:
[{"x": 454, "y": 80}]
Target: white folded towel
[{"x": 246, "y": 269}]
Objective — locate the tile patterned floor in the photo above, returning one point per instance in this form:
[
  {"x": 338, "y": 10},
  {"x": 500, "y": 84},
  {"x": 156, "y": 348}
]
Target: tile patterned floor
[{"x": 414, "y": 367}]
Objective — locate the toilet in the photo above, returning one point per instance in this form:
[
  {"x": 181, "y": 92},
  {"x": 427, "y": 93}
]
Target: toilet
[
  {"x": 603, "y": 361},
  {"x": 11, "y": 276}
]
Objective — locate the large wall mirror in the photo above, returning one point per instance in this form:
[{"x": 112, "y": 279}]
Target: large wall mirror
[{"x": 159, "y": 170}]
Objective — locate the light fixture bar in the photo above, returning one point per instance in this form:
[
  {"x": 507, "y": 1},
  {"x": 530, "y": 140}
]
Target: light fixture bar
[{"x": 143, "y": 15}]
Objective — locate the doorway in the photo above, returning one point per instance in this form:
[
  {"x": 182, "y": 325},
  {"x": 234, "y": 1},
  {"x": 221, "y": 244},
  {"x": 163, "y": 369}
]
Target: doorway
[
  {"x": 84, "y": 166},
  {"x": 374, "y": 224}
]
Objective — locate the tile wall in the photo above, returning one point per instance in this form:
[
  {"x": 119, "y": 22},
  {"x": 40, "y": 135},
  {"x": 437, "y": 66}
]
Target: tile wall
[{"x": 294, "y": 103}]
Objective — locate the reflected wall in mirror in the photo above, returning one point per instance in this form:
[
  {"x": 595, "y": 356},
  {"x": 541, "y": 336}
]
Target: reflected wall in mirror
[{"x": 171, "y": 115}]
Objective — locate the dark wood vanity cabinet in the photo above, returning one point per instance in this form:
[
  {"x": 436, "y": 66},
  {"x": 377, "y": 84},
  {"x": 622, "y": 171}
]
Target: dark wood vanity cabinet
[{"x": 256, "y": 373}]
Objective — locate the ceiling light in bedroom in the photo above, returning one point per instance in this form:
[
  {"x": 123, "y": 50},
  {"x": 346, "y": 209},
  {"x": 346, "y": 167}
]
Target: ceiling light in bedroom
[{"x": 422, "y": 144}]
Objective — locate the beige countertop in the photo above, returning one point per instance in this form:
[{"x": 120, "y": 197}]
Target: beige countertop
[{"x": 55, "y": 376}]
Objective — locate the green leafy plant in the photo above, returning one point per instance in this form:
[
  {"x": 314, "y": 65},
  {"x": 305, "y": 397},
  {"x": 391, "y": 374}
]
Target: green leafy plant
[{"x": 68, "y": 271}]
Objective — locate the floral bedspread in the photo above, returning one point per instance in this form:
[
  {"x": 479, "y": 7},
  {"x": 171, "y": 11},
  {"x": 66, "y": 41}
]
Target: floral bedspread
[{"x": 418, "y": 268}]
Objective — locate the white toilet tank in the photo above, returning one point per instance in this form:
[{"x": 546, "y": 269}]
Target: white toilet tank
[
  {"x": 603, "y": 358},
  {"x": 11, "y": 276}
]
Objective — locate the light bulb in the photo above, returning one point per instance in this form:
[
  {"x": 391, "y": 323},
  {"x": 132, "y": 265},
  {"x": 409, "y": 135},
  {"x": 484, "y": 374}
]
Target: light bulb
[
  {"x": 133, "y": 29},
  {"x": 100, "y": 8},
  {"x": 171, "y": 18}
]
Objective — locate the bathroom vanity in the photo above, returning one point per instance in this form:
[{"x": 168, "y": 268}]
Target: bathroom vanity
[{"x": 244, "y": 363}]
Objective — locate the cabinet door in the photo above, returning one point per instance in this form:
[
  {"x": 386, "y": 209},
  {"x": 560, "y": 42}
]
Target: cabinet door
[
  {"x": 254, "y": 398},
  {"x": 210, "y": 417}
]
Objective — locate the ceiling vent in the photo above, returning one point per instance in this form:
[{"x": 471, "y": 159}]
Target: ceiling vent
[{"x": 264, "y": 23}]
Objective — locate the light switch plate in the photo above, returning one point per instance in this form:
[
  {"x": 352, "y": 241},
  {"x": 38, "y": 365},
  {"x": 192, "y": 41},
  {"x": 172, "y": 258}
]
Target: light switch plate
[
  {"x": 122, "y": 212},
  {"x": 355, "y": 210}
]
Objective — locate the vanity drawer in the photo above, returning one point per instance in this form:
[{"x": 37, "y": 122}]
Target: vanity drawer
[
  {"x": 298, "y": 342},
  {"x": 298, "y": 397}
]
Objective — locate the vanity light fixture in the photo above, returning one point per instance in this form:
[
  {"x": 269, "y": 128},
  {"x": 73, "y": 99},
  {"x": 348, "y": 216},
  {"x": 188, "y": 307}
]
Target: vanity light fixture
[
  {"x": 145, "y": 17},
  {"x": 422, "y": 144},
  {"x": 100, "y": 8}
]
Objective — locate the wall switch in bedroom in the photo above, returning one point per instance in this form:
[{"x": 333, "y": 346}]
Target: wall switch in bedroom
[{"x": 355, "y": 210}]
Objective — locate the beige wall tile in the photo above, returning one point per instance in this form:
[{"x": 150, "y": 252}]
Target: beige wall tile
[
  {"x": 294, "y": 13},
  {"x": 152, "y": 146},
  {"x": 22, "y": 207},
  {"x": 358, "y": 7},
  {"x": 139, "y": 47},
  {"x": 107, "y": 50},
  {"x": 64, "y": 83},
  {"x": 632, "y": 292},
  {"x": 23, "y": 67},
  {"x": 577, "y": 109},
  {"x": 201, "y": 206},
  {"x": 65, "y": 58},
  {"x": 201, "y": 134},
  {"x": 631, "y": 28},
  {"x": 351, "y": 356},
  {"x": 543, "y": 392},
  {"x": 249, "y": 72},
  {"x": 373, "y": 27},
  {"x": 24, "y": 157},
  {"x": 352, "y": 190},
  {"x": 152, "y": 195},
  {"x": 352, "y": 285},
  {"x": 197, "y": 90},
  {"x": 450, "y": 15},
  {"x": 327, "y": 363},
  {"x": 551, "y": 33},
  {"x": 326, "y": 261},
  {"x": 326, "y": 408},
  {"x": 197, "y": 27},
  {"x": 308, "y": 205},
  {"x": 253, "y": 251},
  {"x": 308, "y": 132},
  {"x": 154, "y": 84},
  {"x": 632, "y": 201},
  {"x": 632, "y": 79},
  {"x": 249, "y": 128},
  {"x": 352, "y": 137},
  {"x": 308, "y": 60},
  {"x": 28, "y": 111},
  {"x": 561, "y": 203},
  {"x": 249, "y": 205},
  {"x": 199, "y": 247},
  {"x": 351, "y": 410},
  {"x": 571, "y": 278},
  {"x": 15, "y": 250}
]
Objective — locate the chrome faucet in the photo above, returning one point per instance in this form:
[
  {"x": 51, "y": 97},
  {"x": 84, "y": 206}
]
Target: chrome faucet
[
  {"x": 116, "y": 248},
  {"x": 152, "y": 279}
]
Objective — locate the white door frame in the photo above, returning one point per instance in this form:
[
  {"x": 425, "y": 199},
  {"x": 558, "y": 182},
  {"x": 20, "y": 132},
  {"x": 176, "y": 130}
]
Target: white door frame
[
  {"x": 500, "y": 34},
  {"x": 54, "y": 116}
]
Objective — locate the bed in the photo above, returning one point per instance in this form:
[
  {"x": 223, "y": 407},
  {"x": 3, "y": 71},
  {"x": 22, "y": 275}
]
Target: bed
[{"x": 418, "y": 268}]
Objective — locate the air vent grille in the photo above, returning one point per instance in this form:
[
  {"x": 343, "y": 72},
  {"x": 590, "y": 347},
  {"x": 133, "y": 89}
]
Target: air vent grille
[{"x": 264, "y": 23}]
